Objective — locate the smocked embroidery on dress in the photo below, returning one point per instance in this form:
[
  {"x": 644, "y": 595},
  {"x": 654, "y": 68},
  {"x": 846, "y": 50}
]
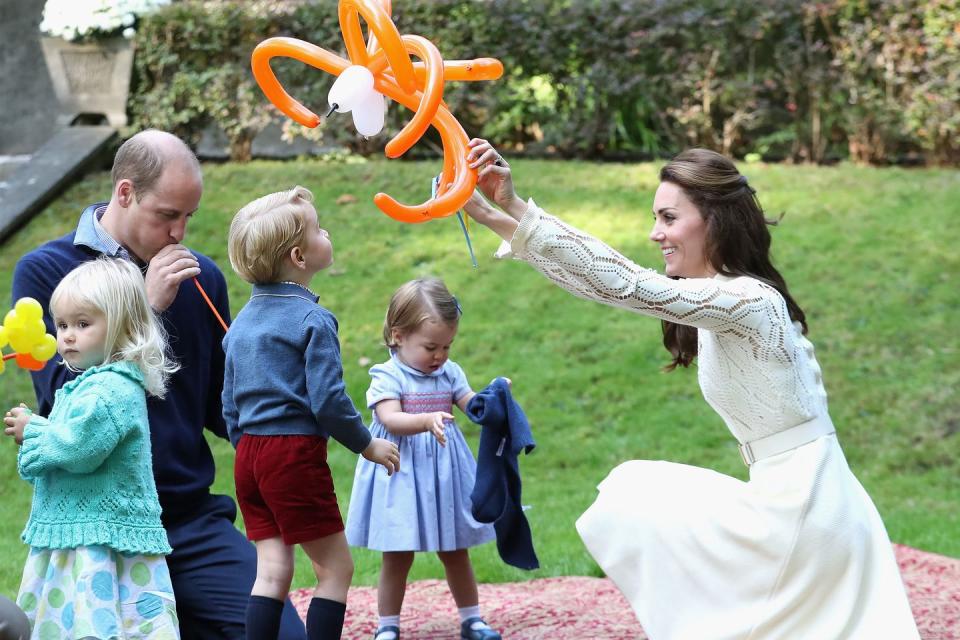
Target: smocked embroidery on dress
[{"x": 426, "y": 402}]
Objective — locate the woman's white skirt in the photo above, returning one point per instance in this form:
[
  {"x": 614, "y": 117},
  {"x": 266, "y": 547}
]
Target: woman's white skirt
[{"x": 797, "y": 552}]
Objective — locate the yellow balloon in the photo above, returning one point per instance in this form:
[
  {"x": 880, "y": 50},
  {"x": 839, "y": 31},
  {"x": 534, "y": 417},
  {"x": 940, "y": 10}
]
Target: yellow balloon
[
  {"x": 34, "y": 331},
  {"x": 20, "y": 340},
  {"x": 12, "y": 321},
  {"x": 3, "y": 337},
  {"x": 45, "y": 350},
  {"x": 3, "y": 365},
  {"x": 37, "y": 327},
  {"x": 28, "y": 309}
]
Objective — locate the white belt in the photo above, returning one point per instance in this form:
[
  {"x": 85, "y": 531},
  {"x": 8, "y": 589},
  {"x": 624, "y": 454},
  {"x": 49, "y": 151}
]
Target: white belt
[{"x": 783, "y": 441}]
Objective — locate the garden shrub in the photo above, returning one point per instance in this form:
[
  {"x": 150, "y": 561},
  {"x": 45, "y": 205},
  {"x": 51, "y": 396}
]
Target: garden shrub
[{"x": 873, "y": 80}]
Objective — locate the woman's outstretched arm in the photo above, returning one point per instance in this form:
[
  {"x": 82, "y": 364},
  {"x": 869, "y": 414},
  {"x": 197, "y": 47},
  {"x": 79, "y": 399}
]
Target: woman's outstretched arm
[{"x": 590, "y": 269}]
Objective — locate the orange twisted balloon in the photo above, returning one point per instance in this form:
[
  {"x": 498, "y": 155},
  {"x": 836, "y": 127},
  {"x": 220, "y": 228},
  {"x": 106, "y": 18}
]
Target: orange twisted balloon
[{"x": 417, "y": 86}]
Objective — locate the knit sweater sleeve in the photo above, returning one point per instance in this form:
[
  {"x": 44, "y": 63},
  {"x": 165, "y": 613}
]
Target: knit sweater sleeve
[
  {"x": 329, "y": 402},
  {"x": 231, "y": 414},
  {"x": 588, "y": 268},
  {"x": 78, "y": 441}
]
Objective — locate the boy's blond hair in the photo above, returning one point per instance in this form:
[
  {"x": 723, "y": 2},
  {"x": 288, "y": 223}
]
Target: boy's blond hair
[{"x": 263, "y": 232}]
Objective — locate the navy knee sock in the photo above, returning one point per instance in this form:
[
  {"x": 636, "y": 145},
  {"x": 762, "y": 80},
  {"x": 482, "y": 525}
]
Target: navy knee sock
[
  {"x": 325, "y": 619},
  {"x": 263, "y": 618}
]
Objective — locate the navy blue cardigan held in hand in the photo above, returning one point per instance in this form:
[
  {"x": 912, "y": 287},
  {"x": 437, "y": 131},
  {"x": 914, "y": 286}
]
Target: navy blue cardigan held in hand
[{"x": 496, "y": 494}]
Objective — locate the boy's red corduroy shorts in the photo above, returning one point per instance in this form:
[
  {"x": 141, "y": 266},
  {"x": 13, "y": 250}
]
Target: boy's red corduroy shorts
[{"x": 285, "y": 489}]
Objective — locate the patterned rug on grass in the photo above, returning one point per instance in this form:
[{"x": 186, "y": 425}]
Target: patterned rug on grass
[{"x": 592, "y": 608}]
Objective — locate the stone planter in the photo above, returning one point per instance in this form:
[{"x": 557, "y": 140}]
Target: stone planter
[{"x": 90, "y": 78}]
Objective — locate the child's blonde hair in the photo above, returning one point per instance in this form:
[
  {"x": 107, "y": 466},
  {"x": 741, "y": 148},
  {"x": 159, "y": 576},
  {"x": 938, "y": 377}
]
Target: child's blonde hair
[
  {"x": 115, "y": 289},
  {"x": 263, "y": 232},
  {"x": 416, "y": 302}
]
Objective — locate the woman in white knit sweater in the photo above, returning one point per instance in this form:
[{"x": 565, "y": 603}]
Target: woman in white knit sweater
[{"x": 799, "y": 551}]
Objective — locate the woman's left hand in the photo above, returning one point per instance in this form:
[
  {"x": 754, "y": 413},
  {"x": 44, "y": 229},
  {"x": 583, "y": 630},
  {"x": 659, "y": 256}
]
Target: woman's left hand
[{"x": 494, "y": 177}]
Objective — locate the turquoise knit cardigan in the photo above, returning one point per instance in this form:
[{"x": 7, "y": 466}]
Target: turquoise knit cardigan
[{"x": 91, "y": 467}]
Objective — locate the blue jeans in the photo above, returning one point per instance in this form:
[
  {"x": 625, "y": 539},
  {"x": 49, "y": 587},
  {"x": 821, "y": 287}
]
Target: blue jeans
[{"x": 212, "y": 568}]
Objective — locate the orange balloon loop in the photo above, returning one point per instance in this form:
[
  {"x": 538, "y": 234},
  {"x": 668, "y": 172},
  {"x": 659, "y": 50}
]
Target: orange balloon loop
[{"x": 385, "y": 58}]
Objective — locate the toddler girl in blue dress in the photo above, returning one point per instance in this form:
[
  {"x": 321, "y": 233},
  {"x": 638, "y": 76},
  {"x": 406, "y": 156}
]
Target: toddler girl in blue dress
[
  {"x": 97, "y": 566},
  {"x": 425, "y": 506}
]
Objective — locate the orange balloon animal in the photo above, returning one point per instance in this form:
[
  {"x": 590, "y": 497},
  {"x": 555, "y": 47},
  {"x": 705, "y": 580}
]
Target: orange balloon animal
[{"x": 417, "y": 86}]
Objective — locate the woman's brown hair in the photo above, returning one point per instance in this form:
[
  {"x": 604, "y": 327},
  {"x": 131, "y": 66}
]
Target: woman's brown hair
[{"x": 737, "y": 239}]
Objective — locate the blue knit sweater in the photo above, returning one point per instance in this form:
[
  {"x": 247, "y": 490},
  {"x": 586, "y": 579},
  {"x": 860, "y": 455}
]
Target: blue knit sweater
[
  {"x": 283, "y": 374},
  {"x": 182, "y": 461},
  {"x": 90, "y": 466}
]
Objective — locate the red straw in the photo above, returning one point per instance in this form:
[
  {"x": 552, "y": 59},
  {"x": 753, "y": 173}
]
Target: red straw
[{"x": 210, "y": 304}]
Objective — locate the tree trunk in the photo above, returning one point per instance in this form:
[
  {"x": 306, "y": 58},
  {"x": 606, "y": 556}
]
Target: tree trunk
[{"x": 240, "y": 147}]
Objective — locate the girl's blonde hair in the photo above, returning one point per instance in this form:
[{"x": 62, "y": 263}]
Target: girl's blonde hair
[
  {"x": 115, "y": 289},
  {"x": 264, "y": 231},
  {"x": 416, "y": 302}
]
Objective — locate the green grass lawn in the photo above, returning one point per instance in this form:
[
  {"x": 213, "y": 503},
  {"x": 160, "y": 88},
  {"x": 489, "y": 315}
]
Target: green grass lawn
[{"x": 870, "y": 254}]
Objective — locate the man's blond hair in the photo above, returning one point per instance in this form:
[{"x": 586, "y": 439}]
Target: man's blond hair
[{"x": 264, "y": 231}]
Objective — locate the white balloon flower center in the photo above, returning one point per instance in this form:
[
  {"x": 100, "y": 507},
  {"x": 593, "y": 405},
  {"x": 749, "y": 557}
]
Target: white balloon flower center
[{"x": 353, "y": 91}]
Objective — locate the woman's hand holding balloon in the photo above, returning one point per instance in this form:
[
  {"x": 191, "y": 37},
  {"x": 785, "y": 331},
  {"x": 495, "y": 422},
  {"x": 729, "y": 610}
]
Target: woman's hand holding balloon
[{"x": 494, "y": 177}]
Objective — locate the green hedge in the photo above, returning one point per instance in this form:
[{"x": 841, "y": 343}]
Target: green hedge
[{"x": 875, "y": 81}]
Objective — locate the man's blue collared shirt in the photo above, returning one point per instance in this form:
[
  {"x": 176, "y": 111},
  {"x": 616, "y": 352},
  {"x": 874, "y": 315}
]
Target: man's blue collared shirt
[{"x": 90, "y": 233}]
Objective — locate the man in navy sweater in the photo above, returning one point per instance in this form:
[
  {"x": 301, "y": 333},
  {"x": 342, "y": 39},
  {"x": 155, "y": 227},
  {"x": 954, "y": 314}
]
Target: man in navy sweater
[{"x": 157, "y": 186}]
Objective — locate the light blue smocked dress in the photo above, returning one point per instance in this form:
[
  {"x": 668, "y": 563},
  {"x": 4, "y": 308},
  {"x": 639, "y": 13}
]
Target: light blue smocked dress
[{"x": 426, "y": 505}]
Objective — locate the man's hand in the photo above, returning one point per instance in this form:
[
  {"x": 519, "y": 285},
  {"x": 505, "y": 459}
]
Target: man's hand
[
  {"x": 171, "y": 266},
  {"x": 383, "y": 452},
  {"x": 16, "y": 419}
]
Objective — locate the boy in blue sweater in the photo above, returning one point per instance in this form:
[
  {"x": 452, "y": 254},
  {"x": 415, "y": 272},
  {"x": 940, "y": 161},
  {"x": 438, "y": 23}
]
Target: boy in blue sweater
[
  {"x": 157, "y": 185},
  {"x": 283, "y": 395}
]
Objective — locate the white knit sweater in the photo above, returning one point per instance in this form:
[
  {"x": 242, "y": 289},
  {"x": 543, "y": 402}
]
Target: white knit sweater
[{"x": 756, "y": 369}]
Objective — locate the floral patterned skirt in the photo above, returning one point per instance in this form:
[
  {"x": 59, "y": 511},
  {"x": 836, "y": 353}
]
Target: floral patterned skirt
[{"x": 96, "y": 592}]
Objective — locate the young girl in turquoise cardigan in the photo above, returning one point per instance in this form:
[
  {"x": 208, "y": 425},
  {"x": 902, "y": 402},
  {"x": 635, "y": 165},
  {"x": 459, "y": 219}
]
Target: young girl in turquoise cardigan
[{"x": 96, "y": 567}]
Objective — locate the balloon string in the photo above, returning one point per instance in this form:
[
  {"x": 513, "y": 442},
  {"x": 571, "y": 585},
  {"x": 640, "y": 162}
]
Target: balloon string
[
  {"x": 466, "y": 235},
  {"x": 210, "y": 304}
]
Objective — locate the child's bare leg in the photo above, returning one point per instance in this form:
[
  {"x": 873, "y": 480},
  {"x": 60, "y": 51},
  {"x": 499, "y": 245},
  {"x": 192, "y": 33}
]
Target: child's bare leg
[
  {"x": 274, "y": 569},
  {"x": 333, "y": 566},
  {"x": 274, "y": 574},
  {"x": 460, "y": 578},
  {"x": 463, "y": 587},
  {"x": 393, "y": 581}
]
